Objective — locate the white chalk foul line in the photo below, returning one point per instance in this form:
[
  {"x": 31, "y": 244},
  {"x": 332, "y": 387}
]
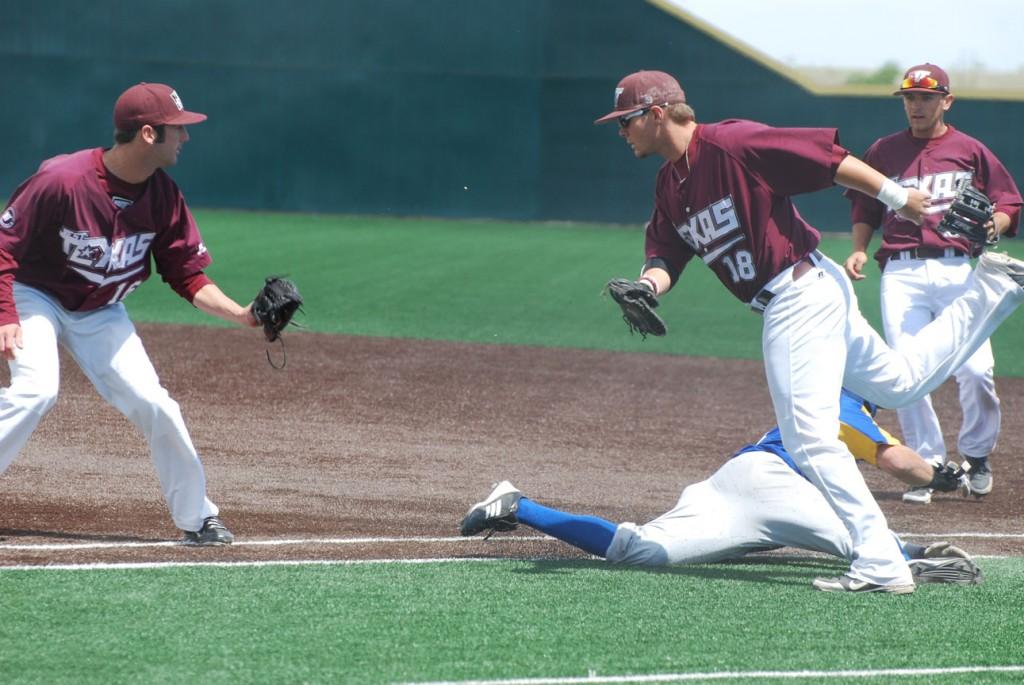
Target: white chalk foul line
[
  {"x": 146, "y": 565},
  {"x": 986, "y": 536},
  {"x": 593, "y": 678},
  {"x": 126, "y": 544},
  {"x": 72, "y": 546}
]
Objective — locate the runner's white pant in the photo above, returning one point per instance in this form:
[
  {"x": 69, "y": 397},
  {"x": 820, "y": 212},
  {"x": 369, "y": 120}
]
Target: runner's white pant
[
  {"x": 913, "y": 293},
  {"x": 104, "y": 344},
  {"x": 815, "y": 340},
  {"x": 753, "y": 502}
]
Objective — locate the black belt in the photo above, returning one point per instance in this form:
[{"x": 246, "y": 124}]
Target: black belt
[
  {"x": 927, "y": 253},
  {"x": 764, "y": 296},
  {"x": 761, "y": 300}
]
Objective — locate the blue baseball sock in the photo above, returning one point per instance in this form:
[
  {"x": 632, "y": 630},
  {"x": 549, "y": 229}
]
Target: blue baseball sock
[
  {"x": 589, "y": 533},
  {"x": 911, "y": 550}
]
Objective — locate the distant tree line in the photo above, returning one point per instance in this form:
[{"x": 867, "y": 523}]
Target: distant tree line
[{"x": 887, "y": 74}]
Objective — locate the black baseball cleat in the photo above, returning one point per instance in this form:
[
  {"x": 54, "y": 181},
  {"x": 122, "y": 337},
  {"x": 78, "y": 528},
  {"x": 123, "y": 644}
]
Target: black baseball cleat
[
  {"x": 496, "y": 513},
  {"x": 213, "y": 532}
]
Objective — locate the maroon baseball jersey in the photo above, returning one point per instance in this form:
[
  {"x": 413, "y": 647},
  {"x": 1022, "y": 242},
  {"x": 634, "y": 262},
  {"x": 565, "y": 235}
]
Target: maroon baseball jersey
[
  {"x": 84, "y": 236},
  {"x": 727, "y": 200},
  {"x": 936, "y": 166}
]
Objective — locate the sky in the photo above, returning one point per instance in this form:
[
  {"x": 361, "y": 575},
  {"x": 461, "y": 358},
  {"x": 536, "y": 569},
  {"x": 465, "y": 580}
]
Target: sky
[{"x": 804, "y": 33}]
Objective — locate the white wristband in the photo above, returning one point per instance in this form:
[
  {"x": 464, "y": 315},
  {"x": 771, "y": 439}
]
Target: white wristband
[
  {"x": 893, "y": 195},
  {"x": 650, "y": 281}
]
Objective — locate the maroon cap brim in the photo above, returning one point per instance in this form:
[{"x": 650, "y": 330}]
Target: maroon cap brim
[
  {"x": 185, "y": 117},
  {"x": 901, "y": 91},
  {"x": 615, "y": 115}
]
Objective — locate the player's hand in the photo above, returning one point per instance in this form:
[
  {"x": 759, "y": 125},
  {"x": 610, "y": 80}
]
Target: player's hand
[
  {"x": 993, "y": 232},
  {"x": 247, "y": 318},
  {"x": 854, "y": 265},
  {"x": 10, "y": 340},
  {"x": 918, "y": 203}
]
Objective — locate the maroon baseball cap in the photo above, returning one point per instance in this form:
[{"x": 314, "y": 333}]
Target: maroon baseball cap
[
  {"x": 154, "y": 104},
  {"x": 924, "y": 78},
  {"x": 644, "y": 89}
]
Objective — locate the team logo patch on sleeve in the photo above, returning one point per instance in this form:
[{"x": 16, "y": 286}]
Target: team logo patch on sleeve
[{"x": 7, "y": 220}]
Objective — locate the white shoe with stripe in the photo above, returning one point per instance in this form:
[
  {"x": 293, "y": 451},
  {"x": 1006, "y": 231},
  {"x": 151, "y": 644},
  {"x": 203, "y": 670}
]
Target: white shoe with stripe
[{"x": 495, "y": 513}]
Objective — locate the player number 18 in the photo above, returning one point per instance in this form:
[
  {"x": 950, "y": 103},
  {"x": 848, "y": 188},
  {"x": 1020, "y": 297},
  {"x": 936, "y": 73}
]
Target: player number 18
[{"x": 741, "y": 266}]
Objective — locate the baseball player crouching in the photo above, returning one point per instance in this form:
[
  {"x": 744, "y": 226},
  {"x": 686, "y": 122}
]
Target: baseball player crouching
[
  {"x": 758, "y": 500},
  {"x": 923, "y": 270},
  {"x": 75, "y": 240}
]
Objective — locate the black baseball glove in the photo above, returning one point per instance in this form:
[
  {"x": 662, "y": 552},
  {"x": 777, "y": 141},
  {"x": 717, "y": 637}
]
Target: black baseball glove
[
  {"x": 949, "y": 478},
  {"x": 956, "y": 570},
  {"x": 275, "y": 305},
  {"x": 967, "y": 217},
  {"x": 638, "y": 302}
]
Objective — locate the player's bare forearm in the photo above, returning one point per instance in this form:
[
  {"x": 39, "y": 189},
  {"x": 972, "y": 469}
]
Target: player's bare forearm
[
  {"x": 211, "y": 300},
  {"x": 857, "y": 175},
  {"x": 904, "y": 463},
  {"x": 861, "y": 234},
  {"x": 854, "y": 264},
  {"x": 660, "y": 278},
  {"x": 10, "y": 340}
]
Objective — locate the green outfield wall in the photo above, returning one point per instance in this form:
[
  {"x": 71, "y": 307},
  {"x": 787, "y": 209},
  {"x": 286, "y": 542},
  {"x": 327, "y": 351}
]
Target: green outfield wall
[{"x": 409, "y": 107}]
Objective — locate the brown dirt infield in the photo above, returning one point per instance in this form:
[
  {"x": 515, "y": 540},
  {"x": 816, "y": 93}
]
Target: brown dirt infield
[{"x": 375, "y": 438}]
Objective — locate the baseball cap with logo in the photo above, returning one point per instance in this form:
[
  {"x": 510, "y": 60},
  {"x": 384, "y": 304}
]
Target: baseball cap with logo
[
  {"x": 154, "y": 104},
  {"x": 644, "y": 89},
  {"x": 924, "y": 78}
]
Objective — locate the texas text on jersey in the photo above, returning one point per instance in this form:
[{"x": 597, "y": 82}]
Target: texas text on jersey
[{"x": 107, "y": 230}]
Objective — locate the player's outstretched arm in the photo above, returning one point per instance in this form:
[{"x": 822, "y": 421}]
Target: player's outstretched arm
[
  {"x": 910, "y": 203},
  {"x": 912, "y": 469},
  {"x": 212, "y": 300},
  {"x": 904, "y": 463}
]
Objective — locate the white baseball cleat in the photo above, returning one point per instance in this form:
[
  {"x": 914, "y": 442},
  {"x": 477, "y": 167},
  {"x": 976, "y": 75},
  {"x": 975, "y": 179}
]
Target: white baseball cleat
[
  {"x": 845, "y": 583},
  {"x": 495, "y": 513},
  {"x": 919, "y": 495},
  {"x": 1003, "y": 263}
]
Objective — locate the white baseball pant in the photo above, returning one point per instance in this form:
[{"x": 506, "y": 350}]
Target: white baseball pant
[
  {"x": 753, "y": 502},
  {"x": 105, "y": 345},
  {"x": 913, "y": 293},
  {"x": 815, "y": 340}
]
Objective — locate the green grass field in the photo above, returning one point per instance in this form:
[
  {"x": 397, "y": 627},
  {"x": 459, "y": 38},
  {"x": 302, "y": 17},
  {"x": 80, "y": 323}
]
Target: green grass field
[
  {"x": 485, "y": 281},
  {"x": 379, "y": 623},
  {"x": 513, "y": 621}
]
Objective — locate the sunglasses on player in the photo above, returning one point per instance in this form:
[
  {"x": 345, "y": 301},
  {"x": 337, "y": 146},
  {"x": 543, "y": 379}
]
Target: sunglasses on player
[
  {"x": 925, "y": 82},
  {"x": 626, "y": 118}
]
